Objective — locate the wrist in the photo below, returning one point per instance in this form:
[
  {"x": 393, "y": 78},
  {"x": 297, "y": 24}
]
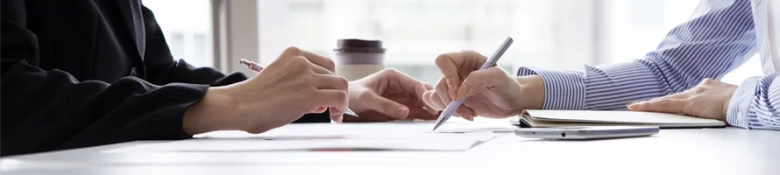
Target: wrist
[
  {"x": 727, "y": 103},
  {"x": 532, "y": 93},
  {"x": 213, "y": 112}
]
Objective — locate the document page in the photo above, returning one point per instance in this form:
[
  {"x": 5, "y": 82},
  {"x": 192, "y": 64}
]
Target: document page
[
  {"x": 421, "y": 142},
  {"x": 390, "y": 136}
]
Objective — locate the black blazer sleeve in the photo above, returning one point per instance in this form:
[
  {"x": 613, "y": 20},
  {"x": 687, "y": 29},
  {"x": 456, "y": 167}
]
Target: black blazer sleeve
[
  {"x": 51, "y": 110},
  {"x": 163, "y": 68}
]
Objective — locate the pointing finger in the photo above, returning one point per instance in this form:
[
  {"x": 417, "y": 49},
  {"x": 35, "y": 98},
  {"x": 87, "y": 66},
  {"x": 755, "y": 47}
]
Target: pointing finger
[
  {"x": 407, "y": 84},
  {"x": 385, "y": 106}
]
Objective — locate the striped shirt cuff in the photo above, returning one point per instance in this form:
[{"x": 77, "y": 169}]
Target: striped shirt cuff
[
  {"x": 563, "y": 90},
  {"x": 739, "y": 113}
]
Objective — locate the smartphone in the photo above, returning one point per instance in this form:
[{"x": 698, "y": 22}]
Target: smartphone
[{"x": 588, "y": 132}]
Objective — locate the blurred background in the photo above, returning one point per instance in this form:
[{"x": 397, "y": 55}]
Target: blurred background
[{"x": 551, "y": 34}]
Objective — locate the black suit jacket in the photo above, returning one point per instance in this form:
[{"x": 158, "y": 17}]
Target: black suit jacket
[{"x": 79, "y": 73}]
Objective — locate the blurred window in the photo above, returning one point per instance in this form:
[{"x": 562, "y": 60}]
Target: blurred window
[
  {"x": 415, "y": 32},
  {"x": 186, "y": 25}
]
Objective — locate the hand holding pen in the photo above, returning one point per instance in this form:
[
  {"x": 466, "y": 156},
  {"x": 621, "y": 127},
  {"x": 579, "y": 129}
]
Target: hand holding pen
[
  {"x": 452, "y": 90},
  {"x": 257, "y": 68},
  {"x": 293, "y": 85}
]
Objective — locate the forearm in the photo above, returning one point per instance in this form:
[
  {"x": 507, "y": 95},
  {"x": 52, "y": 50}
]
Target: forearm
[
  {"x": 606, "y": 88},
  {"x": 753, "y": 104}
]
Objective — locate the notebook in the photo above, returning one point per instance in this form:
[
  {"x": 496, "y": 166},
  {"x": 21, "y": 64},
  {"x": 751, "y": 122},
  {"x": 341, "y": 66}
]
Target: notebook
[{"x": 561, "y": 118}]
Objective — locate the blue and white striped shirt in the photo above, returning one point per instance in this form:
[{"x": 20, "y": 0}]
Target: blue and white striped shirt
[{"x": 716, "y": 40}]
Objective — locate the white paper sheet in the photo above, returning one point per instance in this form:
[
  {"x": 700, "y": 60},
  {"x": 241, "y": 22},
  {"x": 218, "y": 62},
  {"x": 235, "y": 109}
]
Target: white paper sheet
[
  {"x": 421, "y": 142},
  {"x": 456, "y": 135},
  {"x": 454, "y": 125}
]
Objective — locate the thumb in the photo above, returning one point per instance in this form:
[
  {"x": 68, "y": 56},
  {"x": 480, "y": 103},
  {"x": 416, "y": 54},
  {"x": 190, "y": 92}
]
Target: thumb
[
  {"x": 673, "y": 106},
  {"x": 481, "y": 79},
  {"x": 385, "y": 106}
]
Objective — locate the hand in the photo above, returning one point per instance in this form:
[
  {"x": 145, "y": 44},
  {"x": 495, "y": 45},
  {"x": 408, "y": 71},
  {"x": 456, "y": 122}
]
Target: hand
[
  {"x": 709, "y": 99},
  {"x": 298, "y": 82},
  {"x": 388, "y": 95},
  {"x": 490, "y": 92}
]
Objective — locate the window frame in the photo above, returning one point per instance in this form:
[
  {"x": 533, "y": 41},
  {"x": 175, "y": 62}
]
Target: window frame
[{"x": 235, "y": 33}]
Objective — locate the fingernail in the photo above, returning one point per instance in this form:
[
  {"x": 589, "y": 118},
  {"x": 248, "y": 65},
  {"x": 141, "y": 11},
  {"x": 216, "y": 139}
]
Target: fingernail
[
  {"x": 402, "y": 111},
  {"x": 633, "y": 106}
]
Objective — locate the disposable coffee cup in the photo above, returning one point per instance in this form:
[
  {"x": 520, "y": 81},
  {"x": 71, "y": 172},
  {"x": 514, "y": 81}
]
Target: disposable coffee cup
[{"x": 356, "y": 58}]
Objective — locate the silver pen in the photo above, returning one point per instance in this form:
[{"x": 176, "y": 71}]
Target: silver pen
[
  {"x": 257, "y": 68},
  {"x": 454, "y": 105}
]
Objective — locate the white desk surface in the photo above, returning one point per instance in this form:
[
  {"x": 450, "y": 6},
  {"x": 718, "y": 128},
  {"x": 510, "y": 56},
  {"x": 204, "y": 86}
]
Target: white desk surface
[{"x": 680, "y": 151}]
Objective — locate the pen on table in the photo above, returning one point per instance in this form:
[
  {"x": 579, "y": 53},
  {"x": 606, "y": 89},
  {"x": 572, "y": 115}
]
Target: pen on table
[
  {"x": 454, "y": 105},
  {"x": 257, "y": 68}
]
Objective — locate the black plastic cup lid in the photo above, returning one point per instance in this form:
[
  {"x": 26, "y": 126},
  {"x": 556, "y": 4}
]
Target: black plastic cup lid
[{"x": 358, "y": 45}]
